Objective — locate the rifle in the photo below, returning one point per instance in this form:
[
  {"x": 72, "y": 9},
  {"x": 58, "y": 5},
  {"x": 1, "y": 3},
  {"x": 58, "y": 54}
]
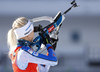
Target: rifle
[{"x": 52, "y": 27}]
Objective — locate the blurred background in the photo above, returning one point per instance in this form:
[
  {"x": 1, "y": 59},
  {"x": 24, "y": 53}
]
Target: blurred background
[{"x": 78, "y": 49}]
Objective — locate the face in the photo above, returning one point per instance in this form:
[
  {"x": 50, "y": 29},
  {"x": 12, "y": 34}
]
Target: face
[{"x": 31, "y": 36}]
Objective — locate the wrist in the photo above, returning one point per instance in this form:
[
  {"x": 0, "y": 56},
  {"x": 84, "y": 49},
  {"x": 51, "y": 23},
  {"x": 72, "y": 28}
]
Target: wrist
[{"x": 49, "y": 46}]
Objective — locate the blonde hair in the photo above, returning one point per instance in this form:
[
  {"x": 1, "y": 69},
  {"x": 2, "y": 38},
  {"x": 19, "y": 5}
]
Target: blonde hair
[{"x": 11, "y": 38}]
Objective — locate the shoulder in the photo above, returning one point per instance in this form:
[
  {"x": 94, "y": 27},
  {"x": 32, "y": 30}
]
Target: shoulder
[
  {"x": 22, "y": 55},
  {"x": 24, "y": 50},
  {"x": 21, "y": 52}
]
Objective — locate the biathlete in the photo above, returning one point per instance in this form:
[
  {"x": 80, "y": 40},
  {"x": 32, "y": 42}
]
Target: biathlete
[{"x": 23, "y": 57}]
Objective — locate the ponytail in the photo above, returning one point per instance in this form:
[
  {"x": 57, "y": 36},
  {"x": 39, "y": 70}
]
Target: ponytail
[{"x": 11, "y": 40}]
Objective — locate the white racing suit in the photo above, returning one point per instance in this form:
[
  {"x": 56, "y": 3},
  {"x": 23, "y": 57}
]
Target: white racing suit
[{"x": 23, "y": 58}]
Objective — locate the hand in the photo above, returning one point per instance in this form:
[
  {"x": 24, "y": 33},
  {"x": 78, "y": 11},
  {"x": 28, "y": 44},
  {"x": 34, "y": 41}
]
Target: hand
[{"x": 45, "y": 37}]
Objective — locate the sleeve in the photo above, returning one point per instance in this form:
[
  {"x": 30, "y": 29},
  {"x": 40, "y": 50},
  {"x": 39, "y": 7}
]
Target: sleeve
[
  {"x": 43, "y": 18},
  {"x": 27, "y": 55},
  {"x": 44, "y": 68}
]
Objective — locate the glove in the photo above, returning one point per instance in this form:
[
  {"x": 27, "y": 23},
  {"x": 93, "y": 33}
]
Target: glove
[{"x": 46, "y": 39}]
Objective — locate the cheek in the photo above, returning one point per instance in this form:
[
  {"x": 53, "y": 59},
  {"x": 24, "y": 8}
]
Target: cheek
[{"x": 33, "y": 34}]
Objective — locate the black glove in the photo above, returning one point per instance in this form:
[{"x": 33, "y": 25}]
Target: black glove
[{"x": 46, "y": 39}]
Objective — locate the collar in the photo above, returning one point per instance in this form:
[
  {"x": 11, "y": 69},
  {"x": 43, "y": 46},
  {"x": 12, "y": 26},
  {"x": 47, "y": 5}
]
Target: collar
[{"x": 23, "y": 42}]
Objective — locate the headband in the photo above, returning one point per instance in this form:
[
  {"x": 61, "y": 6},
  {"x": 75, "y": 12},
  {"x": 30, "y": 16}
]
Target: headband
[{"x": 24, "y": 31}]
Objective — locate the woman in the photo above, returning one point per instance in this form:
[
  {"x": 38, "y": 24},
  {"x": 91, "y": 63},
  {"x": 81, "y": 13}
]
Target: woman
[{"x": 23, "y": 58}]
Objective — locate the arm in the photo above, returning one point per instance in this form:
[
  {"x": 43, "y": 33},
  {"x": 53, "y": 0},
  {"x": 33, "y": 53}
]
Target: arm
[{"x": 27, "y": 55}]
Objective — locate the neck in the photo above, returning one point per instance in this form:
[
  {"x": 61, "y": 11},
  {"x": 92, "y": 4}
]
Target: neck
[{"x": 26, "y": 38}]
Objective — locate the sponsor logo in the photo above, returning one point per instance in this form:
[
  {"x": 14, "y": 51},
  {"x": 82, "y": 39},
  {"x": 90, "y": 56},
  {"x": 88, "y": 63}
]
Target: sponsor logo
[
  {"x": 28, "y": 27},
  {"x": 30, "y": 51},
  {"x": 27, "y": 32},
  {"x": 56, "y": 24},
  {"x": 35, "y": 53},
  {"x": 51, "y": 28}
]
